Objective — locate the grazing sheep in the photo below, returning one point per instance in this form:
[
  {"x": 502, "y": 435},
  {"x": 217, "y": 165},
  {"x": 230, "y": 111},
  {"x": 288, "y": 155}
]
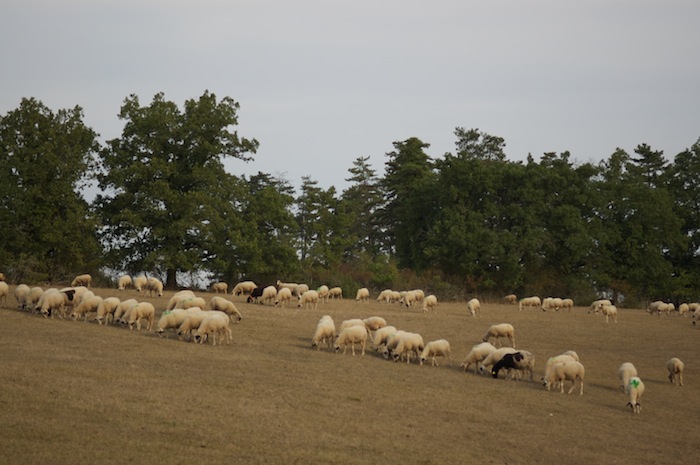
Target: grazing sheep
[
  {"x": 683, "y": 309},
  {"x": 82, "y": 280},
  {"x": 52, "y": 301},
  {"x": 268, "y": 295},
  {"x": 284, "y": 296},
  {"x": 533, "y": 301},
  {"x": 474, "y": 306},
  {"x": 122, "y": 309},
  {"x": 189, "y": 302},
  {"x": 395, "y": 297},
  {"x": 255, "y": 294},
  {"x": 299, "y": 290},
  {"x": 569, "y": 356},
  {"x": 561, "y": 372},
  {"x": 552, "y": 303},
  {"x": 124, "y": 282},
  {"x": 173, "y": 319},
  {"x": 352, "y": 322},
  {"x": 31, "y": 300},
  {"x": 420, "y": 295},
  {"x": 243, "y": 288},
  {"x": 362, "y": 295},
  {"x": 510, "y": 299},
  {"x": 177, "y": 297},
  {"x": 290, "y": 286},
  {"x": 572, "y": 354},
  {"x": 499, "y": 331},
  {"x": 595, "y": 306},
  {"x": 308, "y": 298},
  {"x": 323, "y": 293},
  {"x": 675, "y": 371},
  {"x": 626, "y": 371},
  {"x": 212, "y": 325},
  {"x": 391, "y": 343},
  {"x": 408, "y": 342},
  {"x": 335, "y": 293},
  {"x": 382, "y": 335},
  {"x": 430, "y": 303},
  {"x": 567, "y": 304},
  {"x": 4, "y": 292},
  {"x": 374, "y": 323},
  {"x": 140, "y": 283},
  {"x": 408, "y": 299},
  {"x": 154, "y": 286},
  {"x": 609, "y": 311},
  {"x": 436, "y": 349},
  {"x": 87, "y": 304},
  {"x": 106, "y": 309},
  {"x": 21, "y": 292},
  {"x": 478, "y": 353},
  {"x": 220, "y": 287},
  {"x": 635, "y": 388},
  {"x": 224, "y": 305},
  {"x": 325, "y": 332},
  {"x": 351, "y": 335},
  {"x": 385, "y": 296},
  {"x": 192, "y": 321},
  {"x": 137, "y": 312}
]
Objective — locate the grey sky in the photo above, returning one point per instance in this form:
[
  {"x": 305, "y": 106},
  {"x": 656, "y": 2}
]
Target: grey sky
[{"x": 322, "y": 83}]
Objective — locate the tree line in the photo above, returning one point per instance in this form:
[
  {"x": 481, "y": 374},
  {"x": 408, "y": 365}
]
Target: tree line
[{"x": 465, "y": 223}]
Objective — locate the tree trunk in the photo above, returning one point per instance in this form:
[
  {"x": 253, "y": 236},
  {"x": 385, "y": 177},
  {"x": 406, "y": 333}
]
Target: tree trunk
[{"x": 171, "y": 280}]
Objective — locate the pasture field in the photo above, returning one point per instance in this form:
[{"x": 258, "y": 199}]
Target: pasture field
[{"x": 80, "y": 393}]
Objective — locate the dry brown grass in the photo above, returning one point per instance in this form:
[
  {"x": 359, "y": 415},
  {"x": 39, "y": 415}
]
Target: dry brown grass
[{"x": 74, "y": 392}]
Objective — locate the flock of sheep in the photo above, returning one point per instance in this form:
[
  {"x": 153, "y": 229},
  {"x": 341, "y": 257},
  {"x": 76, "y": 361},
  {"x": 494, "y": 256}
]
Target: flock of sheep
[{"x": 191, "y": 318}]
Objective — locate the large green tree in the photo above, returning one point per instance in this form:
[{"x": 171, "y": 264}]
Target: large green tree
[
  {"x": 46, "y": 160},
  {"x": 166, "y": 192}
]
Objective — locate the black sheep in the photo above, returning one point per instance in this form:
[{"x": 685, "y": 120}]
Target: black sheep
[{"x": 508, "y": 361}]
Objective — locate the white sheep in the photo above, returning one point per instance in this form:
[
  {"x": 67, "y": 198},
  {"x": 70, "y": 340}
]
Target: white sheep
[
  {"x": 290, "y": 286},
  {"x": 87, "y": 304},
  {"x": 408, "y": 298},
  {"x": 124, "y": 282},
  {"x": 683, "y": 309},
  {"x": 192, "y": 321},
  {"x": 335, "y": 293},
  {"x": 154, "y": 286},
  {"x": 106, "y": 309},
  {"x": 220, "y": 287},
  {"x": 511, "y": 299},
  {"x": 430, "y": 303},
  {"x": 21, "y": 292},
  {"x": 499, "y": 331},
  {"x": 474, "y": 306},
  {"x": 173, "y": 319},
  {"x": 385, "y": 296},
  {"x": 362, "y": 295},
  {"x": 188, "y": 302},
  {"x": 350, "y": 336},
  {"x": 217, "y": 323},
  {"x": 381, "y": 336},
  {"x": 567, "y": 304},
  {"x": 4, "y": 292},
  {"x": 595, "y": 306},
  {"x": 675, "y": 371},
  {"x": 352, "y": 322},
  {"x": 323, "y": 293},
  {"x": 408, "y": 343},
  {"x": 224, "y": 305},
  {"x": 244, "y": 287},
  {"x": 284, "y": 296},
  {"x": 177, "y": 297},
  {"x": 476, "y": 355},
  {"x": 635, "y": 388},
  {"x": 82, "y": 280},
  {"x": 308, "y": 298},
  {"x": 391, "y": 343},
  {"x": 395, "y": 297},
  {"x": 122, "y": 309},
  {"x": 140, "y": 283},
  {"x": 374, "y": 323},
  {"x": 626, "y": 371},
  {"x": 609, "y": 311},
  {"x": 572, "y": 354},
  {"x": 436, "y": 349},
  {"x": 561, "y": 372},
  {"x": 325, "y": 332},
  {"x": 31, "y": 300},
  {"x": 420, "y": 295},
  {"x": 533, "y": 301},
  {"x": 137, "y": 312},
  {"x": 569, "y": 356},
  {"x": 268, "y": 295},
  {"x": 53, "y": 301},
  {"x": 299, "y": 289}
]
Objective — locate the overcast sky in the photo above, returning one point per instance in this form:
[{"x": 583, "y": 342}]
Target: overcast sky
[{"x": 323, "y": 82}]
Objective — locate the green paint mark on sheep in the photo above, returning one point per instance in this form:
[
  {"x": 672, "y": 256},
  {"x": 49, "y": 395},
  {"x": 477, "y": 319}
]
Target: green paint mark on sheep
[
  {"x": 634, "y": 382},
  {"x": 167, "y": 312}
]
